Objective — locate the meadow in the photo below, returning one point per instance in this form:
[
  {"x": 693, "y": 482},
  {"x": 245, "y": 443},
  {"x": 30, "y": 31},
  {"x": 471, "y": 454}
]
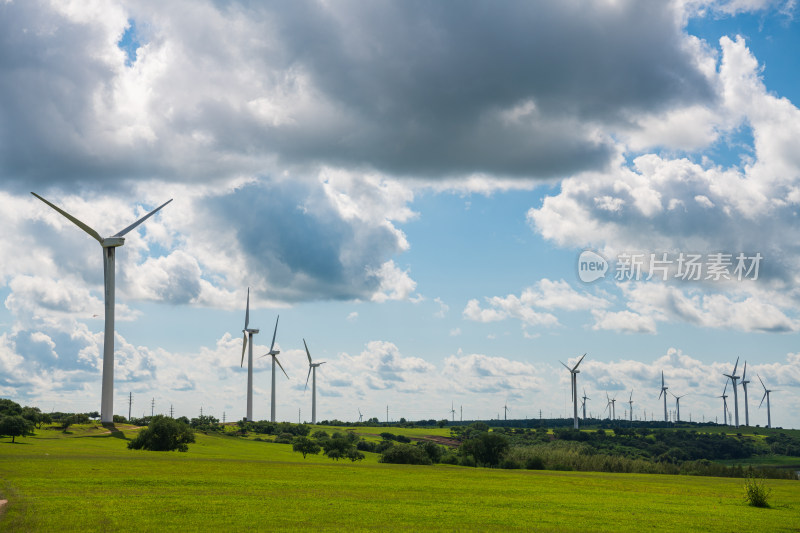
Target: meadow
[{"x": 88, "y": 480}]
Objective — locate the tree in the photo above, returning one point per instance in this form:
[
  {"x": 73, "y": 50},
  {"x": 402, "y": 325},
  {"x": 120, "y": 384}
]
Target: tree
[
  {"x": 15, "y": 426},
  {"x": 163, "y": 434},
  {"x": 7, "y": 407},
  {"x": 305, "y": 446},
  {"x": 486, "y": 448},
  {"x": 405, "y": 454}
]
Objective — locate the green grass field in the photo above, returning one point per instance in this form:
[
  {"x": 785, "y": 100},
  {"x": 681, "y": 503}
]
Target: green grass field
[{"x": 88, "y": 480}]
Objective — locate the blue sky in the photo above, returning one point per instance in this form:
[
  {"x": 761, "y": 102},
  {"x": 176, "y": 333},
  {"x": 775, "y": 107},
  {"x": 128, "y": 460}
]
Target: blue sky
[{"x": 410, "y": 190}]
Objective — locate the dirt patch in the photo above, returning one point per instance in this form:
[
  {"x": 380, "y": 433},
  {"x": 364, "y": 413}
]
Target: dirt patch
[
  {"x": 3, "y": 506},
  {"x": 444, "y": 441}
]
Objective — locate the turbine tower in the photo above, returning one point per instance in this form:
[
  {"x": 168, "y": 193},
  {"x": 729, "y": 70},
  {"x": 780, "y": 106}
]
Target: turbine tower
[
  {"x": 678, "y": 405},
  {"x": 453, "y": 411},
  {"x": 247, "y": 341},
  {"x": 725, "y": 403},
  {"x": 664, "y": 393},
  {"x": 109, "y": 245},
  {"x": 360, "y": 416},
  {"x": 766, "y": 395},
  {"x": 574, "y": 381},
  {"x": 505, "y": 408},
  {"x": 274, "y": 353},
  {"x": 583, "y": 405},
  {"x": 745, "y": 381},
  {"x": 608, "y": 405},
  {"x": 630, "y": 402},
  {"x": 312, "y": 368},
  {"x": 614, "y": 407},
  {"x": 733, "y": 377}
]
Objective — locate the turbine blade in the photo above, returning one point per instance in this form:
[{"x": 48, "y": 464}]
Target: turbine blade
[
  {"x": 744, "y": 372},
  {"x": 280, "y": 365},
  {"x": 148, "y": 215},
  {"x": 244, "y": 347},
  {"x": 308, "y": 376},
  {"x": 762, "y": 383},
  {"x": 662, "y": 379},
  {"x": 565, "y": 366},
  {"x": 247, "y": 310},
  {"x": 762, "y": 399},
  {"x": 735, "y": 366},
  {"x": 307, "y": 352},
  {"x": 271, "y": 346},
  {"x": 72, "y": 219},
  {"x": 579, "y": 362}
]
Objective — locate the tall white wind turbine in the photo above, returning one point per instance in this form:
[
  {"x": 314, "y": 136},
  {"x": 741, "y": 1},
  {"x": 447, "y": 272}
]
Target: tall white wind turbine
[
  {"x": 312, "y": 369},
  {"x": 109, "y": 245},
  {"x": 247, "y": 342},
  {"x": 274, "y": 353},
  {"x": 766, "y": 395},
  {"x": 360, "y": 416},
  {"x": 734, "y": 378},
  {"x": 453, "y": 411},
  {"x": 574, "y": 381},
  {"x": 745, "y": 381},
  {"x": 664, "y": 393}
]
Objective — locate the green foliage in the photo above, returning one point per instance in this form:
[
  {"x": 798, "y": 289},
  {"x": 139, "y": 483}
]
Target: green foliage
[
  {"x": 119, "y": 419},
  {"x": 15, "y": 426},
  {"x": 486, "y": 448},
  {"x": 8, "y": 407},
  {"x": 305, "y": 446},
  {"x": 755, "y": 492},
  {"x": 163, "y": 434},
  {"x": 405, "y": 454}
]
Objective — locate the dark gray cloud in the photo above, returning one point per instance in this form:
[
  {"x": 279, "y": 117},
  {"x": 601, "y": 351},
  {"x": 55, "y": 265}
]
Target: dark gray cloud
[
  {"x": 294, "y": 238},
  {"x": 411, "y": 88}
]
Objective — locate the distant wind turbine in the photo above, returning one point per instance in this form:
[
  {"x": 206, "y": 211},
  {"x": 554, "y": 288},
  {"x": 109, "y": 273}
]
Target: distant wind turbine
[
  {"x": 274, "y": 353},
  {"x": 109, "y": 245},
  {"x": 745, "y": 381},
  {"x": 583, "y": 404},
  {"x": 630, "y": 402},
  {"x": 766, "y": 395},
  {"x": 614, "y": 407},
  {"x": 505, "y": 409},
  {"x": 664, "y": 393},
  {"x": 678, "y": 405},
  {"x": 312, "y": 368},
  {"x": 574, "y": 381},
  {"x": 247, "y": 341},
  {"x": 725, "y": 403},
  {"x": 453, "y": 411},
  {"x": 733, "y": 377}
]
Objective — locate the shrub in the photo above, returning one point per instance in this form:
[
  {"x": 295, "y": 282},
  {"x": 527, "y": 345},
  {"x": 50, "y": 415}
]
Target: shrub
[
  {"x": 755, "y": 492},
  {"x": 405, "y": 454},
  {"x": 163, "y": 435},
  {"x": 534, "y": 463}
]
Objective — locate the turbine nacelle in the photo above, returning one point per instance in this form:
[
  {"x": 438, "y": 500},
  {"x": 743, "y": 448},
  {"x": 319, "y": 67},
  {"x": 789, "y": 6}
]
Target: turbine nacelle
[{"x": 112, "y": 242}]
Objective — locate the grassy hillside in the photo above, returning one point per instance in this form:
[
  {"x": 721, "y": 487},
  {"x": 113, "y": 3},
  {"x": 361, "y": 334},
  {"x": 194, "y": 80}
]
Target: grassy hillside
[{"x": 88, "y": 480}]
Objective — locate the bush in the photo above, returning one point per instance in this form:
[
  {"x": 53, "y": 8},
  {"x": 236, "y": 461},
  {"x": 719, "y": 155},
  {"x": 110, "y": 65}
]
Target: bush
[
  {"x": 755, "y": 492},
  {"x": 163, "y": 435},
  {"x": 534, "y": 463},
  {"x": 405, "y": 454}
]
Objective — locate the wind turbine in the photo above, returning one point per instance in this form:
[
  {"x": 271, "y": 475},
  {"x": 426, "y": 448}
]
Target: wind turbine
[
  {"x": 583, "y": 405},
  {"x": 574, "y": 381},
  {"x": 247, "y": 341},
  {"x": 630, "y": 402},
  {"x": 745, "y": 381},
  {"x": 453, "y": 411},
  {"x": 766, "y": 395},
  {"x": 312, "y": 367},
  {"x": 733, "y": 377},
  {"x": 725, "y": 403},
  {"x": 505, "y": 408},
  {"x": 360, "y": 416},
  {"x": 678, "y": 405},
  {"x": 109, "y": 245},
  {"x": 274, "y": 353},
  {"x": 664, "y": 393},
  {"x": 608, "y": 405},
  {"x": 614, "y": 407}
]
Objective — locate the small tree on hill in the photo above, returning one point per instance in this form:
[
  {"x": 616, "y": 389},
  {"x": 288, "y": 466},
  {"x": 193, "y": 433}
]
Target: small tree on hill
[
  {"x": 163, "y": 435},
  {"x": 15, "y": 426},
  {"x": 305, "y": 446}
]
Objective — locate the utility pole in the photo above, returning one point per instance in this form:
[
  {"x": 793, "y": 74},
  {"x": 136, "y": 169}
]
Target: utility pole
[
  {"x": 462, "y": 413},
  {"x": 171, "y": 411},
  {"x": 223, "y": 417},
  {"x": 201, "y": 411},
  {"x": 298, "y": 415},
  {"x": 130, "y": 403},
  {"x": 387, "y": 413},
  {"x": 152, "y": 407}
]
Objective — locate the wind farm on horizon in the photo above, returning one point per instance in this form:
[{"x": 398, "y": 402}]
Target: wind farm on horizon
[{"x": 106, "y": 414}]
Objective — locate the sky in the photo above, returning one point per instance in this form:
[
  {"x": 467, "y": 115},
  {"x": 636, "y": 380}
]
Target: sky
[{"x": 446, "y": 200}]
